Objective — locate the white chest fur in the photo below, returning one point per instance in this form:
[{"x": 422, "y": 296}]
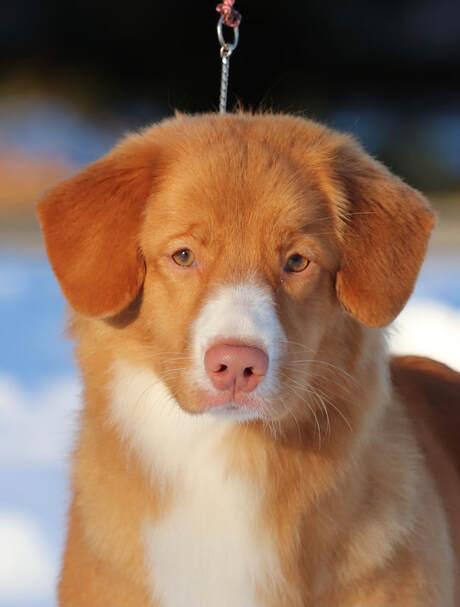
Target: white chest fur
[{"x": 208, "y": 549}]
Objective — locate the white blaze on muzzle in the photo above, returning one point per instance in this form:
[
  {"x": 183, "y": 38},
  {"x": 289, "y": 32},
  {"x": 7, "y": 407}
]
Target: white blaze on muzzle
[{"x": 243, "y": 313}]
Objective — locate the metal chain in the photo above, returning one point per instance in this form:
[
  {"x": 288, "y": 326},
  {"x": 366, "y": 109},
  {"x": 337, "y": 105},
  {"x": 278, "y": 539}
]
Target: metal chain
[
  {"x": 226, "y": 50},
  {"x": 224, "y": 80}
]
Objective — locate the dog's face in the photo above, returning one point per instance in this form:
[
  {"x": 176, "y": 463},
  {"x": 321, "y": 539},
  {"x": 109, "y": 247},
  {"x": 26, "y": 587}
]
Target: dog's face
[
  {"x": 236, "y": 254},
  {"x": 237, "y": 267}
]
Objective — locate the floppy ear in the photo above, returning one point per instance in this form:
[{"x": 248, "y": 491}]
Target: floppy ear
[
  {"x": 384, "y": 237},
  {"x": 91, "y": 225}
]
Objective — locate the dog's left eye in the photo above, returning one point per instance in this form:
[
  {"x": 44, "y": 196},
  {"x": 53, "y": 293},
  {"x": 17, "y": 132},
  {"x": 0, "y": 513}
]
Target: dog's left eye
[
  {"x": 296, "y": 263},
  {"x": 184, "y": 257}
]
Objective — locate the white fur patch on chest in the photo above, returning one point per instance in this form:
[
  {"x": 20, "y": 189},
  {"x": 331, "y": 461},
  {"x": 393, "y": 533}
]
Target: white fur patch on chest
[{"x": 209, "y": 548}]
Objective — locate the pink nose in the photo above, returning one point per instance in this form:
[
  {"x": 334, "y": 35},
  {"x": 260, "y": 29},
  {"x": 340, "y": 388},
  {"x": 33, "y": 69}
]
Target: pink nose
[{"x": 234, "y": 367}]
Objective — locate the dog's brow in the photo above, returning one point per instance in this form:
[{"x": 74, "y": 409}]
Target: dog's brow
[{"x": 194, "y": 232}]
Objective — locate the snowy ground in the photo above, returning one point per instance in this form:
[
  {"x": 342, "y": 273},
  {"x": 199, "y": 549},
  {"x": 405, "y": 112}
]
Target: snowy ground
[{"x": 39, "y": 400}]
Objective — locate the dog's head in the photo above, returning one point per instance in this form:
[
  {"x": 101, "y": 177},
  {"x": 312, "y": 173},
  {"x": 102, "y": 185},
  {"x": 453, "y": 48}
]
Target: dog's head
[{"x": 228, "y": 250}]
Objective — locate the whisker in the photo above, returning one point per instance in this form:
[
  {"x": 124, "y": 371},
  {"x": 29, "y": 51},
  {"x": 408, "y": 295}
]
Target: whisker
[
  {"x": 294, "y": 390},
  {"x": 343, "y": 384},
  {"x": 318, "y": 362},
  {"x": 172, "y": 370},
  {"x": 321, "y": 397}
]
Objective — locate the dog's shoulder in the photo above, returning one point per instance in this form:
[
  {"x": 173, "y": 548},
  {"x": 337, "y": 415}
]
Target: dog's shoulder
[{"x": 430, "y": 391}]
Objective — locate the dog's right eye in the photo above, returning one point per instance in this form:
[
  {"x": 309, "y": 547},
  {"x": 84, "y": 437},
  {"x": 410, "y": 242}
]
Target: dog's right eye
[
  {"x": 296, "y": 263},
  {"x": 184, "y": 257}
]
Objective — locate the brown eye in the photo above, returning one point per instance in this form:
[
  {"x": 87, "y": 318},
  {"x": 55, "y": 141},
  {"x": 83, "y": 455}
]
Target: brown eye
[
  {"x": 184, "y": 257},
  {"x": 296, "y": 263}
]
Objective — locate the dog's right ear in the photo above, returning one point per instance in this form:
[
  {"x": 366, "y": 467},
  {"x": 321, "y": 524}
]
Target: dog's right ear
[{"x": 91, "y": 224}]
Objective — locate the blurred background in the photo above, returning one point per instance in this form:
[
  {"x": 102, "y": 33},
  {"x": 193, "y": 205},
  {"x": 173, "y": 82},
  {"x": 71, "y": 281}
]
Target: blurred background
[{"x": 75, "y": 76}]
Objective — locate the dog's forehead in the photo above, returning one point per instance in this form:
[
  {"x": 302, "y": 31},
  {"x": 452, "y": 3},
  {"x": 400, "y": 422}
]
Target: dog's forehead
[{"x": 240, "y": 181}]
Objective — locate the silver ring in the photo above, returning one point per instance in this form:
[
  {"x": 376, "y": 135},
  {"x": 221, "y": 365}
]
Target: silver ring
[{"x": 230, "y": 46}]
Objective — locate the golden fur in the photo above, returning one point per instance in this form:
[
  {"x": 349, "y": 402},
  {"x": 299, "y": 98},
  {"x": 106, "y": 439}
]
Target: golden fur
[{"x": 361, "y": 479}]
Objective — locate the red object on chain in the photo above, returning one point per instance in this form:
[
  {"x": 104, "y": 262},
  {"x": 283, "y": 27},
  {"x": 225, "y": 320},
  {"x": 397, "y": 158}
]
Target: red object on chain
[{"x": 232, "y": 18}]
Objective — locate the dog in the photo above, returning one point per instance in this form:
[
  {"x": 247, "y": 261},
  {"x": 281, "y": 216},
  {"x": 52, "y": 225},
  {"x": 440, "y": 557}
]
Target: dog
[{"x": 246, "y": 439}]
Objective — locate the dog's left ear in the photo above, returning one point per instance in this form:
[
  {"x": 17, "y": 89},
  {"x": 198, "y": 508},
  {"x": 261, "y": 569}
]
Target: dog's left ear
[
  {"x": 385, "y": 226},
  {"x": 91, "y": 224}
]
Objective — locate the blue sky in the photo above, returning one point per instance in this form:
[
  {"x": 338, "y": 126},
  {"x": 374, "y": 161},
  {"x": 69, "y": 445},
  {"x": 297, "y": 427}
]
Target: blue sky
[{"x": 39, "y": 400}]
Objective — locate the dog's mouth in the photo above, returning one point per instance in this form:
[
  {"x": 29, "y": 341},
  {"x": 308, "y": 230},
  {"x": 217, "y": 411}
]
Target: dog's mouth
[
  {"x": 235, "y": 412},
  {"x": 228, "y": 401}
]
